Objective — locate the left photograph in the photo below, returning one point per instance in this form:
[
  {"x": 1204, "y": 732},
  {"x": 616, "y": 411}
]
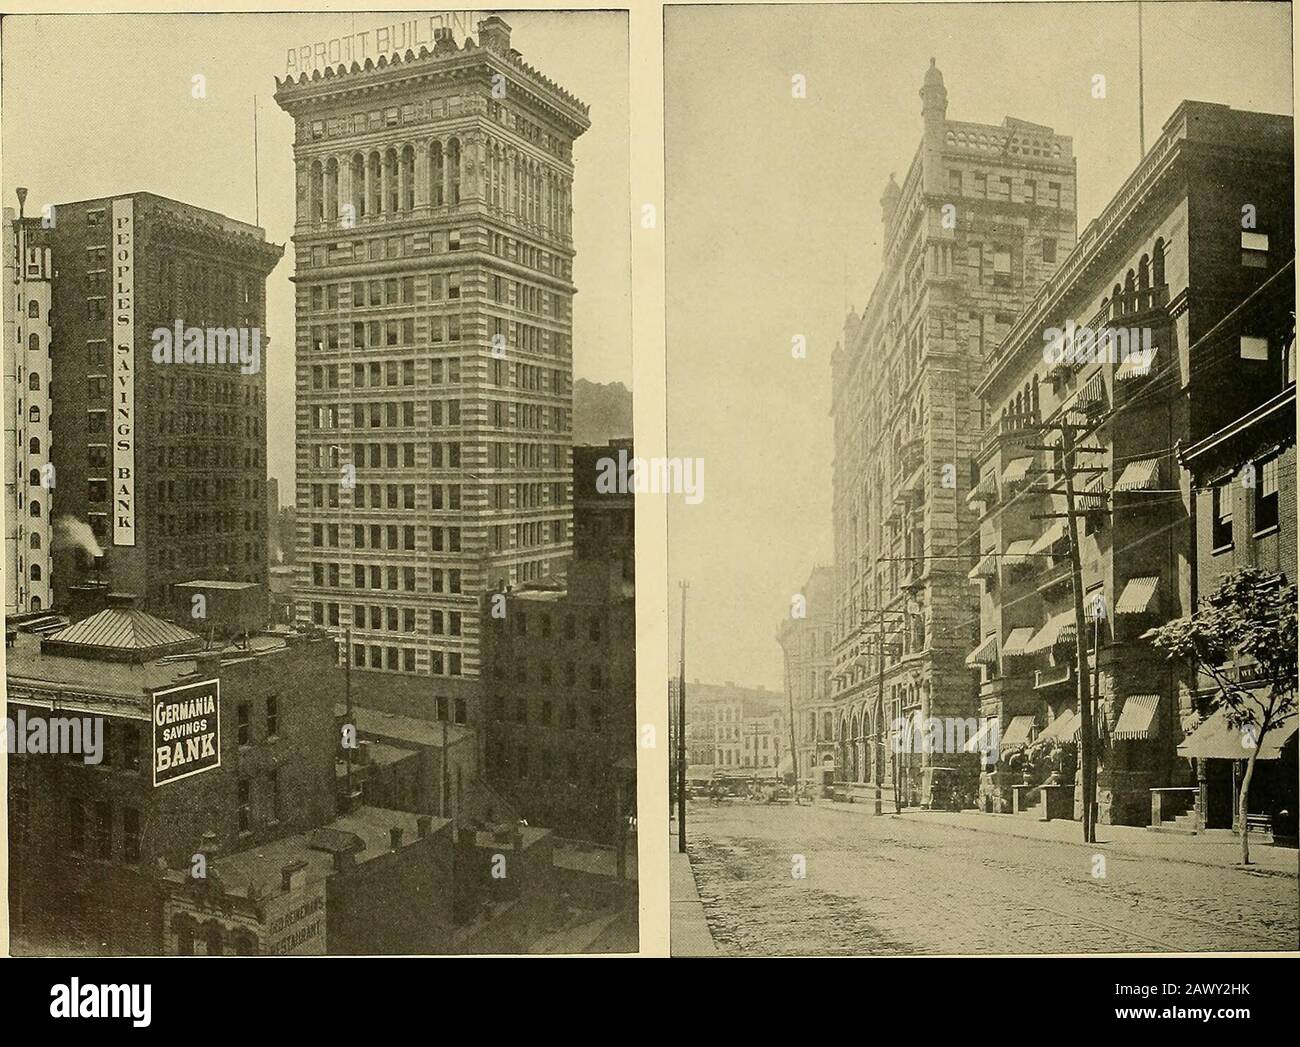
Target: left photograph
[{"x": 319, "y": 608}]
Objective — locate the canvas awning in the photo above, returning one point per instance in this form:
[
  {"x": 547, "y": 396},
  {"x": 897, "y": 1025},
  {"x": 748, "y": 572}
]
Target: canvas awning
[
  {"x": 987, "y": 488},
  {"x": 1016, "y": 471},
  {"x": 1137, "y": 720},
  {"x": 1017, "y": 553},
  {"x": 1093, "y": 391},
  {"x": 1016, "y": 642},
  {"x": 986, "y": 653},
  {"x": 1018, "y": 731},
  {"x": 1064, "y": 728},
  {"x": 986, "y": 568},
  {"x": 1136, "y": 365},
  {"x": 1054, "y": 533},
  {"x": 1059, "y": 629},
  {"x": 1139, "y": 595},
  {"x": 1215, "y": 739},
  {"x": 1141, "y": 475}
]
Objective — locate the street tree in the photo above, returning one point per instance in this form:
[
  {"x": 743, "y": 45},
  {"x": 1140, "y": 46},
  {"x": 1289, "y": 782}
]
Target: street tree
[{"x": 1243, "y": 637}]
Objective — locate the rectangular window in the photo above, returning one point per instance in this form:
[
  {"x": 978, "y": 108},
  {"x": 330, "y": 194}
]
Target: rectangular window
[
  {"x": 1254, "y": 347},
  {"x": 130, "y": 835},
  {"x": 1049, "y": 250},
  {"x": 1254, "y": 249},
  {"x": 1221, "y": 516},
  {"x": 272, "y": 716},
  {"x": 244, "y": 806},
  {"x": 1266, "y": 499},
  {"x": 243, "y": 714}
]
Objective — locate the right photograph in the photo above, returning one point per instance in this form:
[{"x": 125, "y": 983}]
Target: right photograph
[{"x": 982, "y": 317}]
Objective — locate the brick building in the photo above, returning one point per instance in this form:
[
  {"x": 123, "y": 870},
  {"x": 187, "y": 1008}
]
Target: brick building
[
  {"x": 166, "y": 461},
  {"x": 1185, "y": 301},
  {"x": 734, "y": 731},
  {"x": 434, "y": 354},
  {"x": 86, "y": 840},
  {"x": 807, "y": 643},
  {"x": 28, "y": 359},
  {"x": 982, "y": 218},
  {"x": 560, "y": 675}
]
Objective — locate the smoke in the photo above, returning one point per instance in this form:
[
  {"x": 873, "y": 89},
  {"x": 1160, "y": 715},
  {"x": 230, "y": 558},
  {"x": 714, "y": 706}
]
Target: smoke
[{"x": 69, "y": 531}]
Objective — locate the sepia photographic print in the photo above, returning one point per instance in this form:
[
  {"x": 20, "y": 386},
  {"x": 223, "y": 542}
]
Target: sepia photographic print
[
  {"x": 983, "y": 317},
  {"x": 319, "y": 623}
]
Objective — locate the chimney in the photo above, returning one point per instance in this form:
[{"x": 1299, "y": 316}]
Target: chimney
[
  {"x": 124, "y": 601},
  {"x": 494, "y": 34},
  {"x": 423, "y": 823},
  {"x": 344, "y": 860},
  {"x": 293, "y": 877},
  {"x": 22, "y": 199},
  {"x": 395, "y": 837}
]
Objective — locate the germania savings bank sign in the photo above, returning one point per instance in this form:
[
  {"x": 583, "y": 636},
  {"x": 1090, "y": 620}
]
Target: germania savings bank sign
[
  {"x": 186, "y": 731},
  {"x": 124, "y": 372}
]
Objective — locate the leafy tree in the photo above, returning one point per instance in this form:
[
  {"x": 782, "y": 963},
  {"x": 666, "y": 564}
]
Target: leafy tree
[{"x": 1250, "y": 617}]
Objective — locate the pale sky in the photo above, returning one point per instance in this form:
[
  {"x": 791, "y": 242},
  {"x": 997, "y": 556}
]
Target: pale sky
[
  {"x": 773, "y": 219},
  {"x": 98, "y": 105}
]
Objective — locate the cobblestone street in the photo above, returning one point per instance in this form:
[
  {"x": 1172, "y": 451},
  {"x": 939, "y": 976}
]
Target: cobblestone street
[{"x": 885, "y": 885}]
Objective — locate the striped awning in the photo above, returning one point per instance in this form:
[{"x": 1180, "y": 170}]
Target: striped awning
[
  {"x": 1093, "y": 496},
  {"x": 1136, "y": 365},
  {"x": 1016, "y": 471},
  {"x": 1141, "y": 475},
  {"x": 1017, "y": 553},
  {"x": 986, "y": 489},
  {"x": 1059, "y": 629},
  {"x": 1137, "y": 720},
  {"x": 1138, "y": 596},
  {"x": 986, "y": 653},
  {"x": 986, "y": 568},
  {"x": 1018, "y": 731},
  {"x": 1093, "y": 391},
  {"x": 1064, "y": 728},
  {"x": 1054, "y": 533},
  {"x": 1016, "y": 642},
  {"x": 1216, "y": 739}
]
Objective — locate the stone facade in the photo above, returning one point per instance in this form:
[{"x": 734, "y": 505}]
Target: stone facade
[{"x": 807, "y": 639}]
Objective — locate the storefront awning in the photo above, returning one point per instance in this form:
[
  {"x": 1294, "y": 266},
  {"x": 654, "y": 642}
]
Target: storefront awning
[
  {"x": 1137, "y": 720},
  {"x": 1139, "y": 596},
  {"x": 1055, "y": 532},
  {"x": 1063, "y": 728},
  {"x": 986, "y": 653},
  {"x": 1016, "y": 471},
  {"x": 1215, "y": 739},
  {"x": 1017, "y": 641},
  {"x": 1141, "y": 475},
  {"x": 1137, "y": 365},
  {"x": 1059, "y": 629},
  {"x": 1018, "y": 731}
]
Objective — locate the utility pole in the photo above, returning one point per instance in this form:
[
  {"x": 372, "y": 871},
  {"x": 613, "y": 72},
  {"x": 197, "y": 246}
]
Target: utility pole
[
  {"x": 794, "y": 752},
  {"x": 681, "y": 728},
  {"x": 347, "y": 689},
  {"x": 1070, "y": 432}
]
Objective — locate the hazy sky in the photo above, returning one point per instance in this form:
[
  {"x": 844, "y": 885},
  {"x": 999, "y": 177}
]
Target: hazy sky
[
  {"x": 773, "y": 222},
  {"x": 96, "y": 105}
]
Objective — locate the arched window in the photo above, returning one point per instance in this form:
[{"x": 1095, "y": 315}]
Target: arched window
[
  {"x": 358, "y": 186},
  {"x": 34, "y": 342},
  {"x": 332, "y": 188},
  {"x": 36, "y": 603},
  {"x": 1144, "y": 273},
  {"x": 34, "y": 478},
  {"x": 453, "y": 171},
  {"x": 1158, "y": 263},
  {"x": 375, "y": 198},
  {"x": 34, "y": 445},
  {"x": 408, "y": 179},
  {"x": 316, "y": 192},
  {"x": 436, "y": 174},
  {"x": 36, "y": 572},
  {"x": 34, "y": 415},
  {"x": 35, "y": 508},
  {"x": 34, "y": 382},
  {"x": 35, "y": 542},
  {"x": 391, "y": 195},
  {"x": 34, "y": 309}
]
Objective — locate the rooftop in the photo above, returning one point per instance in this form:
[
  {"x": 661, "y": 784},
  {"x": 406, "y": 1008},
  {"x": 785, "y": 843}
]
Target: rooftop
[{"x": 428, "y": 733}]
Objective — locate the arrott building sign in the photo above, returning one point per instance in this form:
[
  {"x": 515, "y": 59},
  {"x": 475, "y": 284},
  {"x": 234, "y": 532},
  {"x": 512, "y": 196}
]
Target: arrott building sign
[{"x": 412, "y": 34}]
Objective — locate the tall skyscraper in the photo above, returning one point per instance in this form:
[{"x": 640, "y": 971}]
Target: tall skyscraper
[
  {"x": 144, "y": 463},
  {"x": 29, "y": 486},
  {"x": 434, "y": 351},
  {"x": 978, "y": 224}
]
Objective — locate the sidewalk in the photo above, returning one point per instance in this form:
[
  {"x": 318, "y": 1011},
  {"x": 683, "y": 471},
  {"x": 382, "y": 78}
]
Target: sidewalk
[
  {"x": 1133, "y": 840},
  {"x": 689, "y": 928}
]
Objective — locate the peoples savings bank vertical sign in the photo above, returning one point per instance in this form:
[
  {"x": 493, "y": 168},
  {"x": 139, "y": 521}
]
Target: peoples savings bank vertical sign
[{"x": 124, "y": 372}]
